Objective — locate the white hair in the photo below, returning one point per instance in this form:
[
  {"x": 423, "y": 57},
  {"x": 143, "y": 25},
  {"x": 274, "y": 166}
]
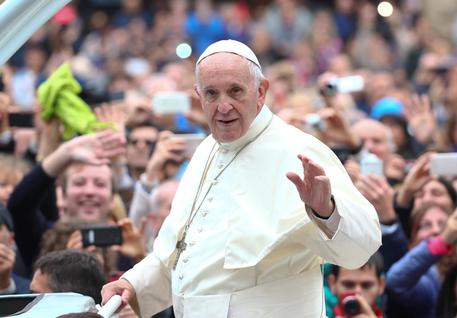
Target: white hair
[{"x": 254, "y": 70}]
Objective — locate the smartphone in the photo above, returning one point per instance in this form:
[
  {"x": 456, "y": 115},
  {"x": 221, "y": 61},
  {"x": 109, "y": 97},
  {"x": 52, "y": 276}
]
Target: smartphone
[
  {"x": 21, "y": 119},
  {"x": 192, "y": 141},
  {"x": 371, "y": 164},
  {"x": 314, "y": 122},
  {"x": 443, "y": 164},
  {"x": 346, "y": 84},
  {"x": 101, "y": 235},
  {"x": 171, "y": 103}
]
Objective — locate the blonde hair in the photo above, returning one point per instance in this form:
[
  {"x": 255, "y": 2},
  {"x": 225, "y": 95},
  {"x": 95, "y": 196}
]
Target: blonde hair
[{"x": 12, "y": 169}]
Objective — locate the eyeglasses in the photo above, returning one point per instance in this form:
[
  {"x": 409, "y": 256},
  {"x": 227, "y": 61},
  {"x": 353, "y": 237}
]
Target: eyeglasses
[{"x": 149, "y": 143}]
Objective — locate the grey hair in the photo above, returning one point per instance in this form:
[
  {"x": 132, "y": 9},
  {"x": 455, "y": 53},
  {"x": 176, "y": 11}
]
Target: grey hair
[{"x": 254, "y": 70}]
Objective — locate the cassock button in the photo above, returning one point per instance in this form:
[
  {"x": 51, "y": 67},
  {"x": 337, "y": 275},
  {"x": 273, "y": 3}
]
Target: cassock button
[
  {"x": 191, "y": 243},
  {"x": 210, "y": 199},
  {"x": 220, "y": 166},
  {"x": 181, "y": 276},
  {"x": 199, "y": 230},
  {"x": 185, "y": 260},
  {"x": 224, "y": 150},
  {"x": 204, "y": 213}
]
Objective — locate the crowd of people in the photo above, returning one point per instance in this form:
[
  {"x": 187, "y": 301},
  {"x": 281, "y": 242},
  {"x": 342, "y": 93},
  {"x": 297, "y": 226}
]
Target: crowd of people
[{"x": 369, "y": 87}]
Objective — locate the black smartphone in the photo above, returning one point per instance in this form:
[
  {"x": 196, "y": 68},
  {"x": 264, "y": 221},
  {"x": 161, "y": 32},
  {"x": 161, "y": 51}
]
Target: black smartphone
[
  {"x": 101, "y": 235},
  {"x": 21, "y": 119}
]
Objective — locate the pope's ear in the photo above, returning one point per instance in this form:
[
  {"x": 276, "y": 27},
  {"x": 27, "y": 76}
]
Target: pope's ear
[{"x": 262, "y": 91}]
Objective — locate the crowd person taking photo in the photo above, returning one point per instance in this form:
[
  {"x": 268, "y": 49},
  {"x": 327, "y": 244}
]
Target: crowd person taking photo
[{"x": 239, "y": 240}]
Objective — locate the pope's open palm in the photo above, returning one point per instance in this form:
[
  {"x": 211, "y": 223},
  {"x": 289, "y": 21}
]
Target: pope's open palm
[{"x": 314, "y": 188}]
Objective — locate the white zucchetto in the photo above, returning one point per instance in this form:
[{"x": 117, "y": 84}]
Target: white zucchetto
[{"x": 230, "y": 46}]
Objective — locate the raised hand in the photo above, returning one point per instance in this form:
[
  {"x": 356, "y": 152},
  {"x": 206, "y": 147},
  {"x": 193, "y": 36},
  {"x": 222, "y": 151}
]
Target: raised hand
[
  {"x": 420, "y": 118},
  {"x": 132, "y": 239},
  {"x": 377, "y": 190},
  {"x": 167, "y": 149},
  {"x": 96, "y": 149},
  {"x": 414, "y": 180},
  {"x": 314, "y": 188}
]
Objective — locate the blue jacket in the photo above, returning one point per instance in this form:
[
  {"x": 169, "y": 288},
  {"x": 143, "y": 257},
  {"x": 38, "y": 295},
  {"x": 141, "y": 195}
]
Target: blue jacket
[{"x": 413, "y": 283}]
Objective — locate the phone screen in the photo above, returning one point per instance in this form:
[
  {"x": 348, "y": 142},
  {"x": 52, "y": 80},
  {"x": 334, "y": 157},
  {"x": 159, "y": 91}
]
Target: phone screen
[
  {"x": 101, "y": 235},
  {"x": 171, "y": 103},
  {"x": 21, "y": 119}
]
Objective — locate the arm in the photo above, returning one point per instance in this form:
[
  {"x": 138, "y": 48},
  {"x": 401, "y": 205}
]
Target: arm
[
  {"x": 29, "y": 223},
  {"x": 358, "y": 233},
  {"x": 394, "y": 244},
  {"x": 412, "y": 277}
]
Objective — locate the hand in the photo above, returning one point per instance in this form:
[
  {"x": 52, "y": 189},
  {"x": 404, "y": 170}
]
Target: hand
[
  {"x": 120, "y": 287},
  {"x": 377, "y": 190},
  {"x": 112, "y": 113},
  {"x": 353, "y": 169},
  {"x": 338, "y": 130},
  {"x": 7, "y": 259},
  {"x": 314, "y": 189},
  {"x": 420, "y": 118},
  {"x": 133, "y": 245},
  {"x": 414, "y": 180},
  {"x": 394, "y": 167},
  {"x": 96, "y": 149},
  {"x": 365, "y": 308},
  {"x": 450, "y": 231},
  {"x": 167, "y": 148},
  {"x": 75, "y": 242}
]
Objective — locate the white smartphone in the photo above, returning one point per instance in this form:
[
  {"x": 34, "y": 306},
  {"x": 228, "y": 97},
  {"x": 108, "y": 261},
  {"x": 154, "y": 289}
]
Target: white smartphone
[
  {"x": 443, "y": 164},
  {"x": 371, "y": 164},
  {"x": 192, "y": 142},
  {"x": 349, "y": 84},
  {"x": 171, "y": 103}
]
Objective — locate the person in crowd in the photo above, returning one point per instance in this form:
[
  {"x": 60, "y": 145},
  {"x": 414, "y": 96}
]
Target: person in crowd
[
  {"x": 413, "y": 282},
  {"x": 10, "y": 281},
  {"x": 69, "y": 271},
  {"x": 205, "y": 254},
  {"x": 87, "y": 186},
  {"x": 420, "y": 186},
  {"x": 365, "y": 285},
  {"x": 155, "y": 208},
  {"x": 11, "y": 172},
  {"x": 141, "y": 141},
  {"x": 377, "y": 139}
]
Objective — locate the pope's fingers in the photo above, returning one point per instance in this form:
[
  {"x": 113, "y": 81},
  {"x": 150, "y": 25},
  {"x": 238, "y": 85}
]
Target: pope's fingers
[
  {"x": 120, "y": 287},
  {"x": 295, "y": 179}
]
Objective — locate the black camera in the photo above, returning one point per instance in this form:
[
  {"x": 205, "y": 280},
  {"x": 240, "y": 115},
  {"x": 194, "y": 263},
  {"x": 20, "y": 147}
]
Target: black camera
[{"x": 351, "y": 306}]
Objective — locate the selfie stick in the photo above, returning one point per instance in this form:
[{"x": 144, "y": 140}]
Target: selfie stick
[{"x": 110, "y": 307}]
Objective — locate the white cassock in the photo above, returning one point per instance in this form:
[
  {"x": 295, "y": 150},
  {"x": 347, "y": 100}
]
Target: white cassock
[{"x": 253, "y": 250}]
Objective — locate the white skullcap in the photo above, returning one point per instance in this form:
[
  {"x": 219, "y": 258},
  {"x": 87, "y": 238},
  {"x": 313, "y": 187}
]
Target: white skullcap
[{"x": 230, "y": 46}]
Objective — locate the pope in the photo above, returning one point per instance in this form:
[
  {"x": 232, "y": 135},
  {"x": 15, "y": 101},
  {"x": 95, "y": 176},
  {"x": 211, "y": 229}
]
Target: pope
[{"x": 260, "y": 207}]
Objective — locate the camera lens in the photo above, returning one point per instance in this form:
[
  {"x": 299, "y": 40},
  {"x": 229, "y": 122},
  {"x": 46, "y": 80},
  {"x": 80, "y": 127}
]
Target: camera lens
[{"x": 351, "y": 306}]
